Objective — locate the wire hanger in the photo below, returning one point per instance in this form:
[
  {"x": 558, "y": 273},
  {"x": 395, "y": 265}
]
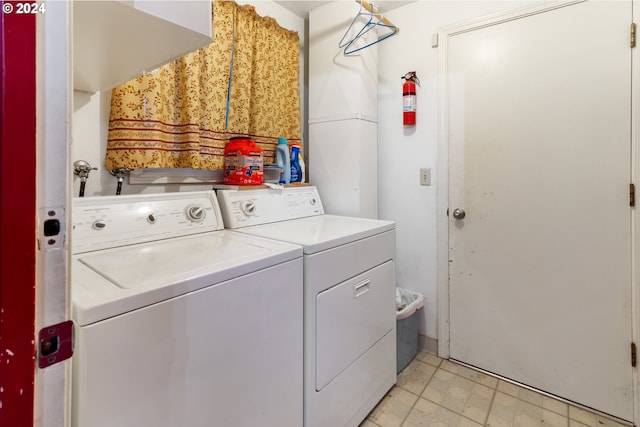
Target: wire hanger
[{"x": 375, "y": 19}]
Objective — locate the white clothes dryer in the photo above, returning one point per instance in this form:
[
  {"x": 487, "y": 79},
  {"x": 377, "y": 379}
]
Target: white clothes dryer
[
  {"x": 179, "y": 322},
  {"x": 349, "y": 297}
]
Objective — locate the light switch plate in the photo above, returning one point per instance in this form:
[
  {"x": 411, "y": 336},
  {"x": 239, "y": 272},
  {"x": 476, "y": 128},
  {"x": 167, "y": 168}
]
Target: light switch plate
[{"x": 425, "y": 176}]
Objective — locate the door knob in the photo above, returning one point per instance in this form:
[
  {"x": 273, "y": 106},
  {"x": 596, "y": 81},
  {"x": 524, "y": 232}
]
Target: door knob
[{"x": 459, "y": 213}]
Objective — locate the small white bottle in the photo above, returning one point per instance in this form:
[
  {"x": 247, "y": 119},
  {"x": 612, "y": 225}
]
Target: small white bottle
[{"x": 283, "y": 160}]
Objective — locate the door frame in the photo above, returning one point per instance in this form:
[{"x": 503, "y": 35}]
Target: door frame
[
  {"x": 52, "y": 399},
  {"x": 443, "y": 165}
]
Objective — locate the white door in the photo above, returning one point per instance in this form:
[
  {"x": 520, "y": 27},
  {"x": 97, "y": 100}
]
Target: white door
[{"x": 540, "y": 267}]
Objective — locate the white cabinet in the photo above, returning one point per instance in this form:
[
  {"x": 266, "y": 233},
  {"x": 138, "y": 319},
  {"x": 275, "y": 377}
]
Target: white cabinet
[{"x": 115, "y": 41}]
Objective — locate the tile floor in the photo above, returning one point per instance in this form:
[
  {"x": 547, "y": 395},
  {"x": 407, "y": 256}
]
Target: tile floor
[{"x": 436, "y": 392}]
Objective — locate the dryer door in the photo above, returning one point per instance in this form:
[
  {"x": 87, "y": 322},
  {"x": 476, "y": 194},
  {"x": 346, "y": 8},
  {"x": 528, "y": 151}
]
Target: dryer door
[{"x": 351, "y": 317}]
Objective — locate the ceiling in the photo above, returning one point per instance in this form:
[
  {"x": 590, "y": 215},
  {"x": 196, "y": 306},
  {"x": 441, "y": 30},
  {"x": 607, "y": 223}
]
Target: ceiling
[{"x": 302, "y": 7}]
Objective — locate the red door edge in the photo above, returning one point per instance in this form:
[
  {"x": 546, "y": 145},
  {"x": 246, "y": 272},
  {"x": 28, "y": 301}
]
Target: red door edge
[{"x": 17, "y": 216}]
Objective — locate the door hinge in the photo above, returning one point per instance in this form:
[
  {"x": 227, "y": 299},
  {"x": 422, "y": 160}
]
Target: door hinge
[
  {"x": 632, "y": 39},
  {"x": 632, "y": 195},
  {"x": 634, "y": 355}
]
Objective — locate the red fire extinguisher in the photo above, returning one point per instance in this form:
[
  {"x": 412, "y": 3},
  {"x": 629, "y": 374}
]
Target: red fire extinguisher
[{"x": 409, "y": 98}]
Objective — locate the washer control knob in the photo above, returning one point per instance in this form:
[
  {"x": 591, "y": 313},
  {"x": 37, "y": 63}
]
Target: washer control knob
[
  {"x": 195, "y": 213},
  {"x": 151, "y": 218},
  {"x": 99, "y": 224},
  {"x": 248, "y": 208}
]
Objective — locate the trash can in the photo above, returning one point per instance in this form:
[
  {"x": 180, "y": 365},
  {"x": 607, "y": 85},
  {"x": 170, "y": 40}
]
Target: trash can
[{"x": 407, "y": 305}]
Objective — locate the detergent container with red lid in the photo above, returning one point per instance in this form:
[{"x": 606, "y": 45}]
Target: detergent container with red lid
[{"x": 243, "y": 162}]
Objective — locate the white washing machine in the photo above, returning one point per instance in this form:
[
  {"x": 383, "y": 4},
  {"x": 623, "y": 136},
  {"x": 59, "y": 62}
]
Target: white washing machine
[
  {"x": 349, "y": 297},
  {"x": 179, "y": 322}
]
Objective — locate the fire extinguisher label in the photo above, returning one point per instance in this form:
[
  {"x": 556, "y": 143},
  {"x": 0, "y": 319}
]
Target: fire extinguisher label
[{"x": 409, "y": 103}]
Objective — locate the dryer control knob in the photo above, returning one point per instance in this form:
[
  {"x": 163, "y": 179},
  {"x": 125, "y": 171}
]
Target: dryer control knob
[
  {"x": 248, "y": 208},
  {"x": 195, "y": 213}
]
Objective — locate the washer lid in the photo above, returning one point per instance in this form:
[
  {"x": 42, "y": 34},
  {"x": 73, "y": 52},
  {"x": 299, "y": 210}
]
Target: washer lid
[
  {"x": 322, "y": 232},
  {"x": 111, "y": 282},
  {"x": 172, "y": 261}
]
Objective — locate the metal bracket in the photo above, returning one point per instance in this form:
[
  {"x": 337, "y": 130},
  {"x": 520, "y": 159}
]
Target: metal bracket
[
  {"x": 51, "y": 228},
  {"x": 55, "y": 344}
]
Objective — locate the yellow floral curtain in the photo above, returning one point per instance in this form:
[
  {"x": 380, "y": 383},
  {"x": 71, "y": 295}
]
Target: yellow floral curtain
[{"x": 180, "y": 116}]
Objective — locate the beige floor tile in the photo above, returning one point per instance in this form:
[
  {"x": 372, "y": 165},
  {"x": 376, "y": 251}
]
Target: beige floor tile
[
  {"x": 521, "y": 393},
  {"x": 508, "y": 388},
  {"x": 509, "y": 411},
  {"x": 416, "y": 376},
  {"x": 553, "y": 419},
  {"x": 457, "y": 396},
  {"x": 503, "y": 409},
  {"x": 469, "y": 373},
  {"x": 460, "y": 395},
  {"x": 555, "y": 405},
  {"x": 437, "y": 388},
  {"x": 477, "y": 407},
  {"x": 429, "y": 414},
  {"x": 464, "y": 422},
  {"x": 429, "y": 358},
  {"x": 582, "y": 416},
  {"x": 393, "y": 409},
  {"x": 494, "y": 421},
  {"x": 422, "y": 414},
  {"x": 527, "y": 415},
  {"x": 445, "y": 418},
  {"x": 524, "y": 420},
  {"x": 531, "y": 397}
]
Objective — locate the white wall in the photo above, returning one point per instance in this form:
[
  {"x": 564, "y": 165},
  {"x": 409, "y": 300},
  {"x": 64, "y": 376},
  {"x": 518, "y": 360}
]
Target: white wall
[
  {"x": 403, "y": 151},
  {"x": 90, "y": 122}
]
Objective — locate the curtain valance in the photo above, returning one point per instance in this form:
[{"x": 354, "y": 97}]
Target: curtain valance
[{"x": 182, "y": 114}]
